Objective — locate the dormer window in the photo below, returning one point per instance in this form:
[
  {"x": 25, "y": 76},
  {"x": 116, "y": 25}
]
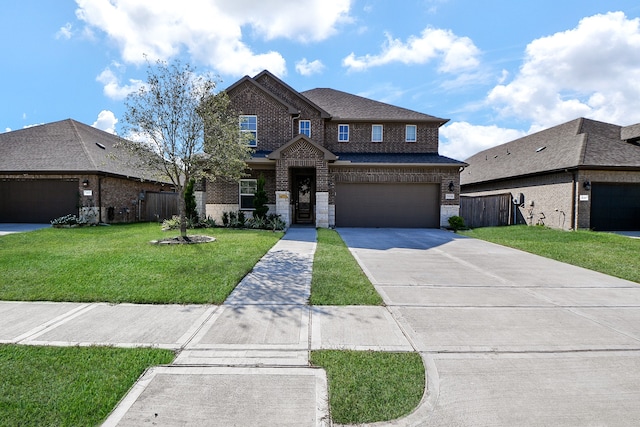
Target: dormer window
[
  {"x": 304, "y": 127},
  {"x": 249, "y": 124}
]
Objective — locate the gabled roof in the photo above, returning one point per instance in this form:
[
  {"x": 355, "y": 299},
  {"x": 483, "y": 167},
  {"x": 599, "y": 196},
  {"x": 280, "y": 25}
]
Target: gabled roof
[
  {"x": 250, "y": 81},
  {"x": 324, "y": 114},
  {"x": 580, "y": 143},
  {"x": 328, "y": 155},
  {"x": 344, "y": 106},
  {"x": 66, "y": 146}
]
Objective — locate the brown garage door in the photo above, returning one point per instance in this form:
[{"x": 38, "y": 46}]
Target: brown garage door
[
  {"x": 388, "y": 205},
  {"x": 37, "y": 201}
]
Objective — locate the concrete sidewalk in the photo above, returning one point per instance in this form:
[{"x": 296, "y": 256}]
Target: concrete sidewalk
[{"x": 243, "y": 363}]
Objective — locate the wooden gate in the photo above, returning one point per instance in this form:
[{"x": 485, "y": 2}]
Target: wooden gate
[
  {"x": 161, "y": 206},
  {"x": 486, "y": 211}
]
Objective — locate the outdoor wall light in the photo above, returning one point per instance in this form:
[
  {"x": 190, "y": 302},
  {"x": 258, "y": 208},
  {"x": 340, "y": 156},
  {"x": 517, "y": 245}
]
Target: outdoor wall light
[
  {"x": 451, "y": 186},
  {"x": 85, "y": 183},
  {"x": 586, "y": 185}
]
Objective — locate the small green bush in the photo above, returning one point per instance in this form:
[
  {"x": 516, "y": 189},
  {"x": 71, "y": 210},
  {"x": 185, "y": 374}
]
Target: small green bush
[{"x": 456, "y": 223}]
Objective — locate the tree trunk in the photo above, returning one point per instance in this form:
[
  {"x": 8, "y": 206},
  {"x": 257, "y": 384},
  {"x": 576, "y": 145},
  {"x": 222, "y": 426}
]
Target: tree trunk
[{"x": 182, "y": 207}]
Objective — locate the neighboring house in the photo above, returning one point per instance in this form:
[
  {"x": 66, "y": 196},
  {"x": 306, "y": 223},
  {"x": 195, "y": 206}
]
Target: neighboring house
[
  {"x": 583, "y": 174},
  {"x": 330, "y": 158},
  {"x": 67, "y": 167}
]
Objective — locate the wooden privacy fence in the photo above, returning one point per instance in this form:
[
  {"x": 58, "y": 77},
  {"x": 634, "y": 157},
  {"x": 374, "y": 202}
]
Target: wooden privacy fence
[
  {"x": 160, "y": 206},
  {"x": 486, "y": 211}
]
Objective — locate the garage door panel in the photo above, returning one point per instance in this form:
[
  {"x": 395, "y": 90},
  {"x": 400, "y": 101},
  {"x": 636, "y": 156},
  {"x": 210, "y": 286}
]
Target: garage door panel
[
  {"x": 37, "y": 201},
  {"x": 615, "y": 207},
  {"x": 387, "y": 205}
]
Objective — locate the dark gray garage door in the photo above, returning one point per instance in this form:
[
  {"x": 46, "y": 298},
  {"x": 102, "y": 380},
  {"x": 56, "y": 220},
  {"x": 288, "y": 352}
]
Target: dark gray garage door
[
  {"x": 37, "y": 201},
  {"x": 388, "y": 205},
  {"x": 615, "y": 207}
]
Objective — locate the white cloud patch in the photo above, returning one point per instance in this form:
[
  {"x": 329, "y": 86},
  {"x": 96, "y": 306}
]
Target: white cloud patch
[
  {"x": 592, "y": 70},
  {"x": 461, "y": 140},
  {"x": 113, "y": 89},
  {"x": 106, "y": 121},
  {"x": 212, "y": 31},
  {"x": 65, "y": 32},
  {"x": 307, "y": 68},
  {"x": 455, "y": 54}
]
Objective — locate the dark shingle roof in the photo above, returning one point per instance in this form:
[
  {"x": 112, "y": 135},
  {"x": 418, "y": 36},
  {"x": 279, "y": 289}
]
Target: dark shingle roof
[
  {"x": 347, "y": 107},
  {"x": 66, "y": 146},
  {"x": 578, "y": 143},
  {"x": 416, "y": 158}
]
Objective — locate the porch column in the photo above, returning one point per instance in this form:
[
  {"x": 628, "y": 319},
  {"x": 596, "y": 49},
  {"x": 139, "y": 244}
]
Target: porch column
[
  {"x": 322, "y": 209},
  {"x": 283, "y": 206}
]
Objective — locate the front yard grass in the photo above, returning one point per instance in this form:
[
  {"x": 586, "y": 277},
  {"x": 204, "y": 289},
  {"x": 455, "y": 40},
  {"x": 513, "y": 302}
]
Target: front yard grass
[
  {"x": 68, "y": 386},
  {"x": 118, "y": 264},
  {"x": 366, "y": 387},
  {"x": 337, "y": 278},
  {"x": 607, "y": 253}
]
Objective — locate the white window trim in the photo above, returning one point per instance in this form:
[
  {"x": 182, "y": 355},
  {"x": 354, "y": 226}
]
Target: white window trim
[
  {"x": 415, "y": 133},
  {"x": 348, "y": 132},
  {"x": 300, "y": 127},
  {"x": 381, "y": 133},
  {"x": 255, "y": 182},
  {"x": 255, "y": 132}
]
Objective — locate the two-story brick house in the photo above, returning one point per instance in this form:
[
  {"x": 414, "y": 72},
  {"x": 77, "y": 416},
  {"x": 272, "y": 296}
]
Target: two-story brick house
[{"x": 331, "y": 158}]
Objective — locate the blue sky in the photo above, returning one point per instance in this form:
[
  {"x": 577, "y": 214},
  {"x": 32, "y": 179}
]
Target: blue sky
[{"x": 497, "y": 69}]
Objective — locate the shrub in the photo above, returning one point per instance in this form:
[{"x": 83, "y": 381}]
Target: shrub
[
  {"x": 172, "y": 223},
  {"x": 191, "y": 208},
  {"x": 456, "y": 223},
  {"x": 260, "y": 199},
  {"x": 225, "y": 219}
]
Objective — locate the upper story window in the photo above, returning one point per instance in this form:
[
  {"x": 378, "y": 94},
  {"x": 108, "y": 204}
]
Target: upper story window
[
  {"x": 343, "y": 133},
  {"x": 376, "y": 133},
  {"x": 304, "y": 127},
  {"x": 248, "y": 188},
  {"x": 410, "y": 133},
  {"x": 249, "y": 124}
]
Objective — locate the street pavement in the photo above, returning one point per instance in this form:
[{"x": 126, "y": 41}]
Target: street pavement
[{"x": 507, "y": 338}]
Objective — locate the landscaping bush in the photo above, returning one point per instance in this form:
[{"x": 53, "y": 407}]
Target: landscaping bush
[
  {"x": 239, "y": 220},
  {"x": 456, "y": 223}
]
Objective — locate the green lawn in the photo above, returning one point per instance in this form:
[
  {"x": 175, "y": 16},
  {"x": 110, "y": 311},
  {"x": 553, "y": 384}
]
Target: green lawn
[
  {"x": 118, "y": 264},
  {"x": 607, "y": 253},
  {"x": 337, "y": 278},
  {"x": 68, "y": 386},
  {"x": 366, "y": 387}
]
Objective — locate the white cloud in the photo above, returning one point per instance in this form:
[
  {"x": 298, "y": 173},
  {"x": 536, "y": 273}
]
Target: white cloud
[
  {"x": 112, "y": 88},
  {"x": 592, "y": 70},
  {"x": 65, "y": 32},
  {"x": 212, "y": 31},
  {"x": 307, "y": 68},
  {"x": 461, "y": 140},
  {"x": 455, "y": 54},
  {"x": 106, "y": 121}
]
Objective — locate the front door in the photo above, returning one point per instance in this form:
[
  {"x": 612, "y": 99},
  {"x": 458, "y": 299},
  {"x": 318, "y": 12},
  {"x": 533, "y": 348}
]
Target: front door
[{"x": 304, "y": 196}]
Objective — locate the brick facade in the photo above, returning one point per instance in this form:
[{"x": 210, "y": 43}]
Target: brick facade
[{"x": 279, "y": 110}]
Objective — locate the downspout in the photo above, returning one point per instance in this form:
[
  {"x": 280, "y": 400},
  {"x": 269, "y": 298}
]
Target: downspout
[
  {"x": 573, "y": 201},
  {"x": 293, "y": 117},
  {"x": 99, "y": 199}
]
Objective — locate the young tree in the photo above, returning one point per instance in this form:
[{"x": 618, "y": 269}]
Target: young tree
[{"x": 191, "y": 131}]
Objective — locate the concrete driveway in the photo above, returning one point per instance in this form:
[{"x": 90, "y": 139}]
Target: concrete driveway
[
  {"x": 509, "y": 338},
  {"x": 10, "y": 228}
]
